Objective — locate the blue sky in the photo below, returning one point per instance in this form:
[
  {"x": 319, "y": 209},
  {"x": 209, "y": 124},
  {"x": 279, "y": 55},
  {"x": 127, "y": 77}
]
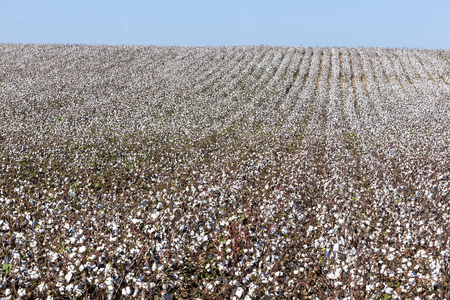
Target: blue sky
[{"x": 384, "y": 23}]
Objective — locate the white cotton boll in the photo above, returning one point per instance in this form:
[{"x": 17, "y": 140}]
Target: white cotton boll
[
  {"x": 336, "y": 247},
  {"x": 136, "y": 221},
  {"x": 278, "y": 274},
  {"x": 205, "y": 238},
  {"x": 82, "y": 249},
  {"x": 78, "y": 291},
  {"x": 68, "y": 276},
  {"x": 331, "y": 276},
  {"x": 22, "y": 292},
  {"x": 239, "y": 292},
  {"x": 16, "y": 255},
  {"x": 5, "y": 225},
  {"x": 252, "y": 288},
  {"x": 337, "y": 274},
  {"x": 42, "y": 287},
  {"x": 108, "y": 268},
  {"x": 69, "y": 288},
  {"x": 33, "y": 244},
  {"x": 210, "y": 287},
  {"x": 126, "y": 291},
  {"x": 154, "y": 216},
  {"x": 345, "y": 267},
  {"x": 136, "y": 290},
  {"x": 109, "y": 281}
]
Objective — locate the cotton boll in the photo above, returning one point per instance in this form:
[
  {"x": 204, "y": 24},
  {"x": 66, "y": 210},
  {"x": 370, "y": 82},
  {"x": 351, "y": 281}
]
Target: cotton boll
[
  {"x": 22, "y": 292},
  {"x": 68, "y": 276},
  {"x": 239, "y": 292},
  {"x": 336, "y": 248},
  {"x": 126, "y": 291}
]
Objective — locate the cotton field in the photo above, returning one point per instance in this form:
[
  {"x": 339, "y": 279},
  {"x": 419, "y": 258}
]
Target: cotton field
[{"x": 133, "y": 172}]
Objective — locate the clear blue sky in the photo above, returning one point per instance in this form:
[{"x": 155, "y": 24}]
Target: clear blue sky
[{"x": 384, "y": 23}]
